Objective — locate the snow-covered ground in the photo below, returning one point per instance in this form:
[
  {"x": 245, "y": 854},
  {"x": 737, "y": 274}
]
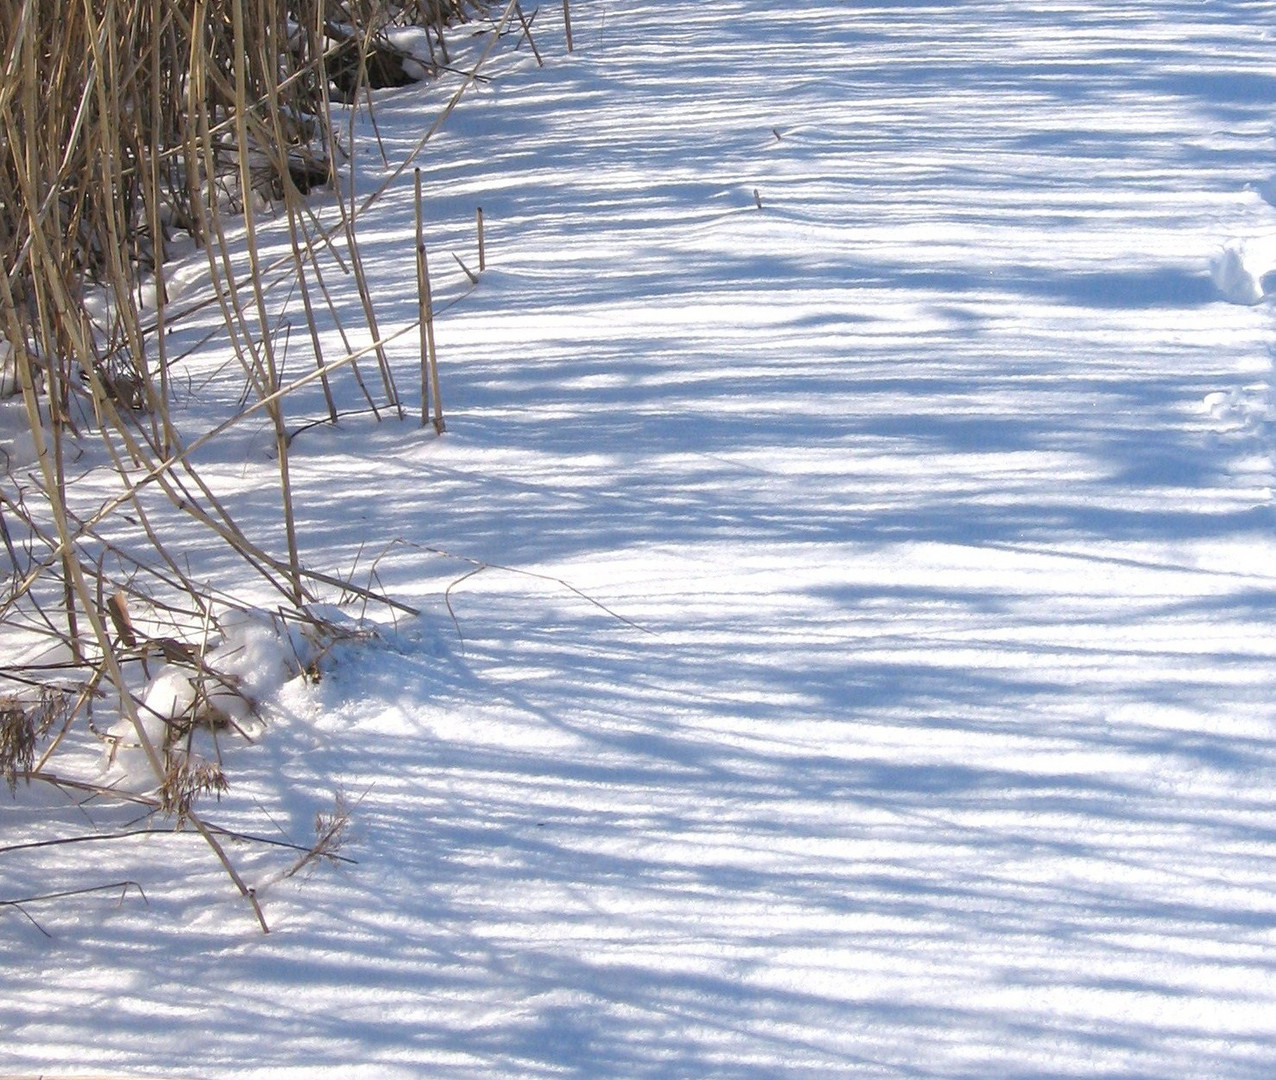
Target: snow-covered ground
[{"x": 859, "y": 446}]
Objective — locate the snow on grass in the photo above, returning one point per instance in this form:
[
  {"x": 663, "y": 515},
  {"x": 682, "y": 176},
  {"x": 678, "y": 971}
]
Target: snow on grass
[{"x": 846, "y": 638}]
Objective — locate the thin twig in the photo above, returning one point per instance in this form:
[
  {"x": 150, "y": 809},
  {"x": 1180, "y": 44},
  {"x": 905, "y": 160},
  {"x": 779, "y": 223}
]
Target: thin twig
[
  {"x": 479, "y": 566},
  {"x": 19, "y": 903}
]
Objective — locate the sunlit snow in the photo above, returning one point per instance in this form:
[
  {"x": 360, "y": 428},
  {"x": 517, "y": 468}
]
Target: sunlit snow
[{"x": 859, "y": 449}]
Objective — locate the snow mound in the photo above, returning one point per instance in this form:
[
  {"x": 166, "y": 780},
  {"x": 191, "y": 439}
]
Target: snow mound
[
  {"x": 1244, "y": 272},
  {"x": 1241, "y": 409},
  {"x": 253, "y": 660}
]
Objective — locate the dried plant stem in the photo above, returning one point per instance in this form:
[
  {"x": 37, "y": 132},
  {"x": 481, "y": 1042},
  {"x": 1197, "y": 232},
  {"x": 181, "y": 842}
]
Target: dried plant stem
[
  {"x": 527, "y": 33},
  {"x": 497, "y": 30},
  {"x": 429, "y": 356},
  {"x": 275, "y": 410},
  {"x": 19, "y": 904},
  {"x": 116, "y": 677},
  {"x": 124, "y": 123}
]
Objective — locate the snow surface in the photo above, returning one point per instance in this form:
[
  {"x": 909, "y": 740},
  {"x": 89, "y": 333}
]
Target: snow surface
[{"x": 859, "y": 447}]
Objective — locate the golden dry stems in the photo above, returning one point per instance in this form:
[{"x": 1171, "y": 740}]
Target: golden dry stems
[
  {"x": 124, "y": 123},
  {"x": 129, "y": 128}
]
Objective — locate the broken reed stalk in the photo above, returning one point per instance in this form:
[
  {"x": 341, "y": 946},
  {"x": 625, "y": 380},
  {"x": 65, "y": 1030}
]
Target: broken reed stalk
[
  {"x": 425, "y": 316},
  {"x": 425, "y": 305},
  {"x": 470, "y": 274},
  {"x": 527, "y": 33},
  {"x": 567, "y": 24},
  {"x": 482, "y": 253}
]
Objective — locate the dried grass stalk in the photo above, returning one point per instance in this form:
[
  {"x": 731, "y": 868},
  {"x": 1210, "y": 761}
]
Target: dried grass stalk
[{"x": 124, "y": 123}]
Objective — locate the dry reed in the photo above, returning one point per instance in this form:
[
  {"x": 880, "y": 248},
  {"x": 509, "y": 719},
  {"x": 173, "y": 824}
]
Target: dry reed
[{"x": 126, "y": 125}]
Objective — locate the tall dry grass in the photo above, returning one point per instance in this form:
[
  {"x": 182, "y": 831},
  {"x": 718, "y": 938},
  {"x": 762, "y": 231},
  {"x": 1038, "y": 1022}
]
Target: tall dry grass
[{"x": 124, "y": 125}]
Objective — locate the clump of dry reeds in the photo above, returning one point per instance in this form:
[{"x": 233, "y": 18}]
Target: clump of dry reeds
[{"x": 123, "y": 125}]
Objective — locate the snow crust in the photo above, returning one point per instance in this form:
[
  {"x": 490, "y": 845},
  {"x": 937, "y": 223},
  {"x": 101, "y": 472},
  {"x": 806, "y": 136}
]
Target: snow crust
[{"x": 847, "y": 585}]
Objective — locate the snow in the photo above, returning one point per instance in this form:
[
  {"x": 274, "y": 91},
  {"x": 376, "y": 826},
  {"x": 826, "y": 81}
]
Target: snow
[{"x": 845, "y": 636}]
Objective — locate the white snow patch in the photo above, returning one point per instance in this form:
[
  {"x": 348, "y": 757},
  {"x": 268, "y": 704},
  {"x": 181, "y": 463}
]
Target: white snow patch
[
  {"x": 846, "y": 637},
  {"x": 1242, "y": 270}
]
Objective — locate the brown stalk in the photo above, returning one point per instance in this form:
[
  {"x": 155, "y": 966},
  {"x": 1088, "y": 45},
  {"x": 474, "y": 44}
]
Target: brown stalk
[{"x": 121, "y": 121}]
